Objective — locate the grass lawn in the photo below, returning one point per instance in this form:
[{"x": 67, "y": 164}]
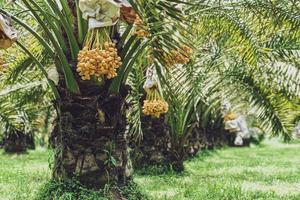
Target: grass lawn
[
  {"x": 269, "y": 172},
  {"x": 22, "y": 175}
]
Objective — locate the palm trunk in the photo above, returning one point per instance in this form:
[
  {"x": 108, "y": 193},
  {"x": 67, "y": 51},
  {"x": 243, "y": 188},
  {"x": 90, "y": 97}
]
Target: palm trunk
[
  {"x": 196, "y": 142},
  {"x": 177, "y": 157},
  {"x": 15, "y": 142},
  {"x": 89, "y": 138},
  {"x": 30, "y": 141},
  {"x": 155, "y": 147},
  {"x": 216, "y": 136}
]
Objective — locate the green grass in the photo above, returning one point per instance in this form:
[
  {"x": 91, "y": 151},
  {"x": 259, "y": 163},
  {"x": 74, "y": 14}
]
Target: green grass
[
  {"x": 269, "y": 172},
  {"x": 22, "y": 175}
]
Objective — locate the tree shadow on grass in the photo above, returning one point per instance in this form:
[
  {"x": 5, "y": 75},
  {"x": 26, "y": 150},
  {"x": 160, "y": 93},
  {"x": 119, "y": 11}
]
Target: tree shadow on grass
[
  {"x": 206, "y": 153},
  {"x": 159, "y": 170},
  {"x": 14, "y": 154}
]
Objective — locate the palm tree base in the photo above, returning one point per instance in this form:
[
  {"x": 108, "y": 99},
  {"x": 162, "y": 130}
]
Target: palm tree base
[
  {"x": 89, "y": 138},
  {"x": 216, "y": 137},
  {"x": 30, "y": 141},
  {"x": 54, "y": 189},
  {"x": 15, "y": 142},
  {"x": 154, "y": 149},
  {"x": 196, "y": 142},
  {"x": 177, "y": 165}
]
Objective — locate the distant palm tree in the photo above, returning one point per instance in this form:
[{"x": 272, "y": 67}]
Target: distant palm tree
[
  {"x": 248, "y": 53},
  {"x": 23, "y": 99}
]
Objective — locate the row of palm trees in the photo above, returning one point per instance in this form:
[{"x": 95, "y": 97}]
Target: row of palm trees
[{"x": 243, "y": 51}]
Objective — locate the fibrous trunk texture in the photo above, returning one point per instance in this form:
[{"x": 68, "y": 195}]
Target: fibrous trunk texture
[
  {"x": 15, "y": 142},
  {"x": 89, "y": 137},
  {"x": 196, "y": 141},
  {"x": 154, "y": 149},
  {"x": 216, "y": 137},
  {"x": 30, "y": 141},
  {"x": 157, "y": 148}
]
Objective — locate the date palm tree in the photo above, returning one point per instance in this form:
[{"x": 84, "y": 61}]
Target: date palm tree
[{"x": 89, "y": 137}]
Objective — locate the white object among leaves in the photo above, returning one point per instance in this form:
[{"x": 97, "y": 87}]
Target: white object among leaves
[
  {"x": 59, "y": 5},
  {"x": 244, "y": 127},
  {"x": 238, "y": 125},
  {"x": 124, "y": 3},
  {"x": 100, "y": 13},
  {"x": 53, "y": 74},
  {"x": 297, "y": 132},
  {"x": 7, "y": 33},
  {"x": 225, "y": 107},
  {"x": 151, "y": 79},
  {"x": 233, "y": 125},
  {"x": 238, "y": 139}
]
